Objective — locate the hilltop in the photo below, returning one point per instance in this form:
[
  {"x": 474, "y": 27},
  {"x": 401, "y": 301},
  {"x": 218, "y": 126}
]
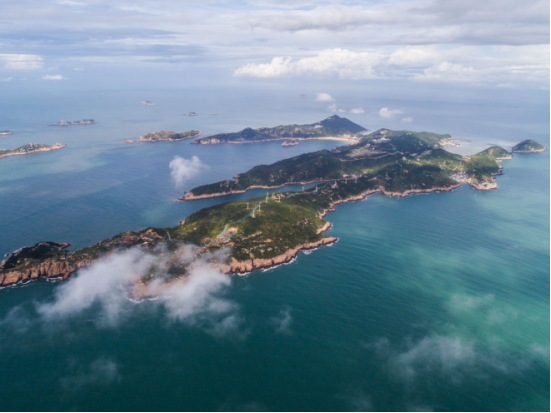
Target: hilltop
[
  {"x": 166, "y": 136},
  {"x": 528, "y": 146},
  {"x": 333, "y": 127},
  {"x": 398, "y": 161},
  {"x": 30, "y": 148},
  {"x": 496, "y": 152}
]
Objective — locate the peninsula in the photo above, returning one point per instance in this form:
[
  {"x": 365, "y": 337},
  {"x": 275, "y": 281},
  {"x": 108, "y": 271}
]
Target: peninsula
[
  {"x": 528, "y": 146},
  {"x": 334, "y": 128},
  {"x": 148, "y": 103},
  {"x": 30, "y": 148},
  {"x": 78, "y": 122},
  {"x": 5, "y": 132},
  {"x": 166, "y": 136},
  {"x": 398, "y": 161}
]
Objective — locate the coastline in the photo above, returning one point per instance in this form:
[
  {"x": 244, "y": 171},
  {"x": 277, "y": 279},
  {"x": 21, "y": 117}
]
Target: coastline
[
  {"x": 326, "y": 138},
  {"x": 162, "y": 140},
  {"x": 52, "y": 148}
]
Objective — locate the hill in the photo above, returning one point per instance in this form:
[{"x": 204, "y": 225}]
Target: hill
[
  {"x": 528, "y": 146},
  {"x": 332, "y": 127},
  {"x": 166, "y": 136}
]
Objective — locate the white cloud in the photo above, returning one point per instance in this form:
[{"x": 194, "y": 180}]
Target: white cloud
[
  {"x": 357, "y": 111},
  {"x": 341, "y": 111},
  {"x": 195, "y": 300},
  {"x": 387, "y": 113},
  {"x": 332, "y": 108},
  {"x": 324, "y": 97},
  {"x": 328, "y": 63},
  {"x": 406, "y": 120},
  {"x": 53, "y": 77},
  {"x": 182, "y": 169},
  {"x": 6, "y": 79},
  {"x": 21, "y": 61}
]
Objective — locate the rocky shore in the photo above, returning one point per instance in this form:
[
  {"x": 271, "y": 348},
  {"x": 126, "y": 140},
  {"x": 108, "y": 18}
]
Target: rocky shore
[
  {"x": 30, "y": 148},
  {"x": 6, "y": 132}
]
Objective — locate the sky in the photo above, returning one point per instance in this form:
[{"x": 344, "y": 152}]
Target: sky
[{"x": 486, "y": 43}]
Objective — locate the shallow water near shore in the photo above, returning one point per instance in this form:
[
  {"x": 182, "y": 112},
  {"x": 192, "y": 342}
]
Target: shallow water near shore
[{"x": 432, "y": 302}]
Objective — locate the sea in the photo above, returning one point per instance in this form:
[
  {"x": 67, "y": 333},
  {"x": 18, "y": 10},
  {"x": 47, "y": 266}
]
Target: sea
[{"x": 434, "y": 302}]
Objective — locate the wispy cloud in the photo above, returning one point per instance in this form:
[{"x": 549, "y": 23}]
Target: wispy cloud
[
  {"x": 53, "y": 77},
  {"x": 406, "y": 120},
  {"x": 282, "y": 322},
  {"x": 21, "y": 61}
]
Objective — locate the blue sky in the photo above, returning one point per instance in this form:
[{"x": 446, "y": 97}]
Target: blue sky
[{"x": 487, "y": 43}]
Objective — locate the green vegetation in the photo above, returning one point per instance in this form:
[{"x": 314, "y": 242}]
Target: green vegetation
[
  {"x": 496, "y": 152},
  {"x": 397, "y": 161},
  {"x": 333, "y": 126},
  {"x": 528, "y": 146}
]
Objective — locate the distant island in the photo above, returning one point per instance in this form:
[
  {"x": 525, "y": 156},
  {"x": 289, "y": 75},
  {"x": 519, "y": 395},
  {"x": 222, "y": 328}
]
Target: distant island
[
  {"x": 213, "y": 114},
  {"x": 290, "y": 143},
  {"x": 148, "y": 103},
  {"x": 301, "y": 96},
  {"x": 30, "y": 148},
  {"x": 334, "y": 128},
  {"x": 528, "y": 146},
  {"x": 6, "y": 132},
  {"x": 79, "y": 122},
  {"x": 166, "y": 136},
  {"x": 190, "y": 114}
]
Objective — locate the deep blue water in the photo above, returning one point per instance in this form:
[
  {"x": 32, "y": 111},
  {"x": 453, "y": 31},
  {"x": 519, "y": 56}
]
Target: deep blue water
[{"x": 431, "y": 302}]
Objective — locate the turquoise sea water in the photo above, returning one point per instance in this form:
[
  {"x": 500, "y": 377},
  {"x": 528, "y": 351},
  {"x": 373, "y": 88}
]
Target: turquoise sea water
[{"x": 431, "y": 302}]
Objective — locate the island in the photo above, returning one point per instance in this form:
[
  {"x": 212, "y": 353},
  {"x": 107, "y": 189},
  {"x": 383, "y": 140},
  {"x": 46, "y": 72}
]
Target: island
[
  {"x": 78, "y": 122},
  {"x": 400, "y": 162},
  {"x": 259, "y": 233},
  {"x": 148, "y": 103},
  {"x": 290, "y": 143},
  {"x": 334, "y": 128},
  {"x": 301, "y": 96},
  {"x": 5, "y": 132},
  {"x": 30, "y": 148},
  {"x": 166, "y": 136},
  {"x": 190, "y": 114},
  {"x": 528, "y": 146}
]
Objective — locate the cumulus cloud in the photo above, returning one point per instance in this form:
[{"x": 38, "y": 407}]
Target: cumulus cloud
[
  {"x": 21, "y": 61},
  {"x": 195, "y": 300},
  {"x": 324, "y": 97},
  {"x": 406, "y": 120},
  {"x": 53, "y": 77},
  {"x": 332, "y": 108},
  {"x": 181, "y": 169},
  {"x": 387, "y": 113},
  {"x": 357, "y": 111}
]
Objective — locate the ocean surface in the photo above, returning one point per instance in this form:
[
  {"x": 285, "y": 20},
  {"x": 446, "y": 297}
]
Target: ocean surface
[{"x": 430, "y": 302}]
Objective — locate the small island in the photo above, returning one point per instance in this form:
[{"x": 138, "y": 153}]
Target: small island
[
  {"x": 166, "y": 136},
  {"x": 190, "y": 114},
  {"x": 148, "y": 103},
  {"x": 5, "y": 132},
  {"x": 528, "y": 146},
  {"x": 332, "y": 128},
  {"x": 78, "y": 122},
  {"x": 301, "y": 96},
  {"x": 290, "y": 143},
  {"x": 30, "y": 148}
]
